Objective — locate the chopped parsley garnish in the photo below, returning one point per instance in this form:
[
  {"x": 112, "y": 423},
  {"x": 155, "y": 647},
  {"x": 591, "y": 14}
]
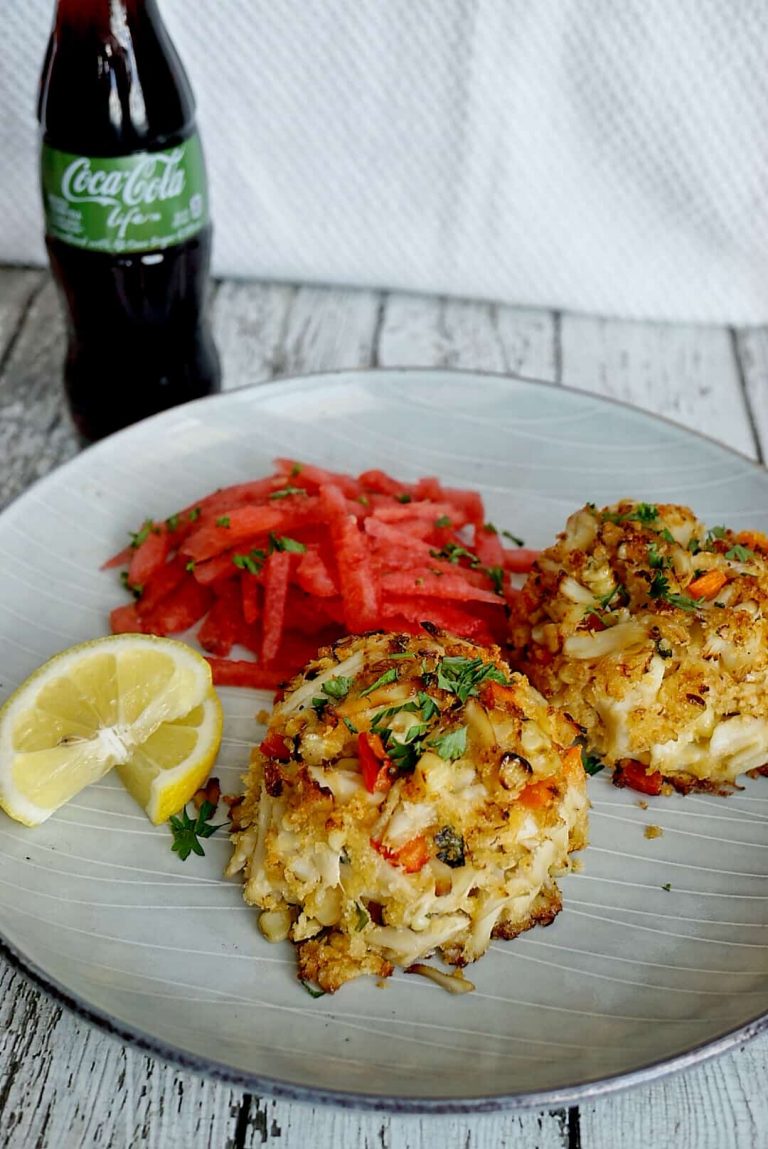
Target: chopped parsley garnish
[
  {"x": 195, "y": 514},
  {"x": 337, "y": 687},
  {"x": 282, "y": 543},
  {"x": 464, "y": 676},
  {"x": 405, "y": 750},
  {"x": 694, "y": 546},
  {"x": 591, "y": 763},
  {"x": 659, "y": 588},
  {"x": 716, "y": 533},
  {"x": 363, "y": 500},
  {"x": 607, "y": 599},
  {"x": 383, "y": 680},
  {"x": 172, "y": 522},
  {"x": 319, "y": 705},
  {"x": 362, "y": 916},
  {"x": 188, "y": 831},
  {"x": 492, "y": 529},
  {"x": 190, "y": 566},
  {"x": 740, "y": 554},
  {"x": 284, "y": 492},
  {"x": 667, "y": 886},
  {"x": 683, "y": 601},
  {"x": 453, "y": 552},
  {"x": 311, "y": 989},
  {"x": 139, "y": 536},
  {"x": 496, "y": 575},
  {"x": 404, "y": 497},
  {"x": 667, "y": 535},
  {"x": 404, "y": 755},
  {"x": 350, "y": 725},
  {"x": 443, "y": 521},
  {"x": 452, "y": 745},
  {"x": 135, "y": 588},
  {"x": 378, "y": 722},
  {"x": 429, "y": 708},
  {"x": 645, "y": 513},
  {"x": 656, "y": 559},
  {"x": 224, "y": 521},
  {"x": 450, "y": 847},
  {"x": 252, "y": 562},
  {"x": 295, "y": 470}
]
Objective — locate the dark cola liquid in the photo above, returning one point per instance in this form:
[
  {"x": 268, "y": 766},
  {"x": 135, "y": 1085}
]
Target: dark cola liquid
[{"x": 138, "y": 338}]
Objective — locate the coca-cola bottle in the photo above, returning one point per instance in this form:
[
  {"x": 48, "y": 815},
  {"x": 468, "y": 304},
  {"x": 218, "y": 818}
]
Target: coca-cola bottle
[{"x": 126, "y": 214}]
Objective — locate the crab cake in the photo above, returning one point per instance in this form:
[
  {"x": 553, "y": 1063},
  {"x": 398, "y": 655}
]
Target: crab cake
[
  {"x": 412, "y": 795},
  {"x": 651, "y": 631}
]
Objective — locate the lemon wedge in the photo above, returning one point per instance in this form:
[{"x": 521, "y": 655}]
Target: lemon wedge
[
  {"x": 133, "y": 701},
  {"x": 166, "y": 770}
]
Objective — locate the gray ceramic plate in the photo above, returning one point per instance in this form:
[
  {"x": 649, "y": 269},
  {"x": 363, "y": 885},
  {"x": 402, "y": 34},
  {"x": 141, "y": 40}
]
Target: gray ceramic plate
[{"x": 659, "y": 957}]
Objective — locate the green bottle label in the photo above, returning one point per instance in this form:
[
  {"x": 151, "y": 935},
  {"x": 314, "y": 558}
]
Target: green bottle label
[{"x": 125, "y": 203}]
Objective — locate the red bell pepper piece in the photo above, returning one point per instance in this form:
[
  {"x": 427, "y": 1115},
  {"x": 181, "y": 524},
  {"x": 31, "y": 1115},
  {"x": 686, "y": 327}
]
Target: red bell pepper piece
[
  {"x": 374, "y": 763},
  {"x": 633, "y": 774},
  {"x": 275, "y": 746}
]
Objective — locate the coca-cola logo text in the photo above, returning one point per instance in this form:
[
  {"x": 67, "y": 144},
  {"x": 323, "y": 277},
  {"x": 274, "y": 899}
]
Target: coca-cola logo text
[{"x": 153, "y": 177}]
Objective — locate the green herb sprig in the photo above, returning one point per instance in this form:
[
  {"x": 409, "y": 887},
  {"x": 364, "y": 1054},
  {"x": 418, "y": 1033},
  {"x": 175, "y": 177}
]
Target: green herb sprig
[{"x": 187, "y": 831}]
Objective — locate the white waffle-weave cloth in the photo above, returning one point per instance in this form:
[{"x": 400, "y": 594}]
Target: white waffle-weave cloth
[{"x": 602, "y": 156}]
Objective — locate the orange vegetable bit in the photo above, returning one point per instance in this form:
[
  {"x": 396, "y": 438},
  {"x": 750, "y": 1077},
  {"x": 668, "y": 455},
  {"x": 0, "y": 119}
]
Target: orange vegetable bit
[
  {"x": 755, "y": 540},
  {"x": 707, "y": 585},
  {"x": 495, "y": 694},
  {"x": 630, "y": 772},
  {"x": 537, "y": 795},
  {"x": 573, "y": 765},
  {"x": 411, "y": 857}
]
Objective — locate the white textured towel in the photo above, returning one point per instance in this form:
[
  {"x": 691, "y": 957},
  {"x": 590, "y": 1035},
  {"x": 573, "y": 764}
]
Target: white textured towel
[{"x": 604, "y": 155}]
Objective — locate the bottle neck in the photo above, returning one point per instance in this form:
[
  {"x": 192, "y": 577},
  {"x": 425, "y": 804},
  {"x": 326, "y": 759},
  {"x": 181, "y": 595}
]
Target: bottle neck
[
  {"x": 112, "y": 82},
  {"x": 104, "y": 15}
]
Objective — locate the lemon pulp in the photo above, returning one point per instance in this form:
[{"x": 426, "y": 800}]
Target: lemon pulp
[{"x": 111, "y": 702}]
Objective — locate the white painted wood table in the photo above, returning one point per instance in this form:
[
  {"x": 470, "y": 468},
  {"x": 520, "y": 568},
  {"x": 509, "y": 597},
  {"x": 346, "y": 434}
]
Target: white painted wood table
[{"x": 63, "y": 1083}]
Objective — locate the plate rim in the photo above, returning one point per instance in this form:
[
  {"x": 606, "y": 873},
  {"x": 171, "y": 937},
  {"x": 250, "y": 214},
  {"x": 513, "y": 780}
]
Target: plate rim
[{"x": 211, "y": 1068}]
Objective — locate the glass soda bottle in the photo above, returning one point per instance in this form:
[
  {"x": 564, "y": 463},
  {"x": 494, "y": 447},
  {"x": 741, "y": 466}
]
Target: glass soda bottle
[{"x": 126, "y": 214}]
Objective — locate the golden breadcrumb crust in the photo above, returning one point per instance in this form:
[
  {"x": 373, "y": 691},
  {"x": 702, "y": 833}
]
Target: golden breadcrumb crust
[
  {"x": 651, "y": 632},
  {"x": 412, "y": 796}
]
